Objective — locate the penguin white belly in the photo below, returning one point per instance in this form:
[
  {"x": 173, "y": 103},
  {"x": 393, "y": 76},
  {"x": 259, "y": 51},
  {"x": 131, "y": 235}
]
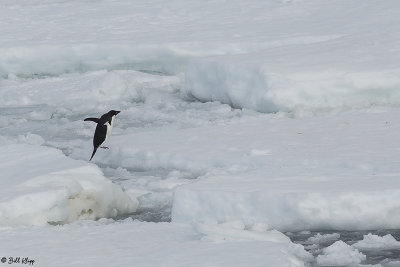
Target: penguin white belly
[
  {"x": 109, "y": 126},
  {"x": 109, "y": 129}
]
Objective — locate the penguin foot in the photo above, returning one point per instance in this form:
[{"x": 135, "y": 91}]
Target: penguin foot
[{"x": 105, "y": 147}]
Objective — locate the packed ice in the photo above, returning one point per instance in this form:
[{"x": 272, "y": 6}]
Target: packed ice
[
  {"x": 340, "y": 254},
  {"x": 318, "y": 238},
  {"x": 376, "y": 242},
  {"x": 241, "y": 122},
  {"x": 41, "y": 186}
]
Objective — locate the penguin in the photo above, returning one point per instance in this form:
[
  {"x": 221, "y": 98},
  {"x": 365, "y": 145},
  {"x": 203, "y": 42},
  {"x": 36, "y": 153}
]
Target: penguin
[{"x": 103, "y": 129}]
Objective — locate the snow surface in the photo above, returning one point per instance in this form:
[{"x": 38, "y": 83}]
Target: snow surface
[
  {"x": 298, "y": 177},
  {"x": 328, "y": 55},
  {"x": 238, "y": 119},
  {"x": 127, "y": 243}
]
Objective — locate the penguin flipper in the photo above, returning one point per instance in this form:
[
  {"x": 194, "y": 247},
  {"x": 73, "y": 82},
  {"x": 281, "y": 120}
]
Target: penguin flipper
[
  {"x": 94, "y": 151},
  {"x": 96, "y": 120}
]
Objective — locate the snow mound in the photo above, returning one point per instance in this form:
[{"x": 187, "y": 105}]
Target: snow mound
[
  {"x": 250, "y": 86},
  {"x": 340, "y": 254},
  {"x": 238, "y": 85},
  {"x": 289, "y": 203},
  {"x": 39, "y": 185},
  {"x": 375, "y": 242}
]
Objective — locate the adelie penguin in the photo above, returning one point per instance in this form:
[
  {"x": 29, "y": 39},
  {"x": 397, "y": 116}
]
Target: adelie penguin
[{"x": 103, "y": 129}]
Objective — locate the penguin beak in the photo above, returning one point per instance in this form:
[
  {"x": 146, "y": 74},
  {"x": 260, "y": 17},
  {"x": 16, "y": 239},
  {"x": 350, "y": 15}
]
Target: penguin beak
[{"x": 117, "y": 112}]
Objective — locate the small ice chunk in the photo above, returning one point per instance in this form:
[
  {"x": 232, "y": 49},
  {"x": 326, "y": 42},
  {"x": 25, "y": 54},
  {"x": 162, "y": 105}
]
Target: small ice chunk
[
  {"x": 375, "y": 242},
  {"x": 305, "y": 232},
  {"x": 319, "y": 239},
  {"x": 340, "y": 254}
]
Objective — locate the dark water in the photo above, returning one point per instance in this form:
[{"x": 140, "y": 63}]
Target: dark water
[
  {"x": 149, "y": 215},
  {"x": 383, "y": 257}
]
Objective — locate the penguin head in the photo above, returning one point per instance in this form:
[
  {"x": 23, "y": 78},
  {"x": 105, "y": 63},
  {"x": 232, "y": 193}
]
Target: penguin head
[{"x": 113, "y": 112}]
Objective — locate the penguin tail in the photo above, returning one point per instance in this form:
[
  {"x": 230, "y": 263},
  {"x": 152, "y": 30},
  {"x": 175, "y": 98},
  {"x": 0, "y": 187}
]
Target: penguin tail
[{"x": 94, "y": 151}]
